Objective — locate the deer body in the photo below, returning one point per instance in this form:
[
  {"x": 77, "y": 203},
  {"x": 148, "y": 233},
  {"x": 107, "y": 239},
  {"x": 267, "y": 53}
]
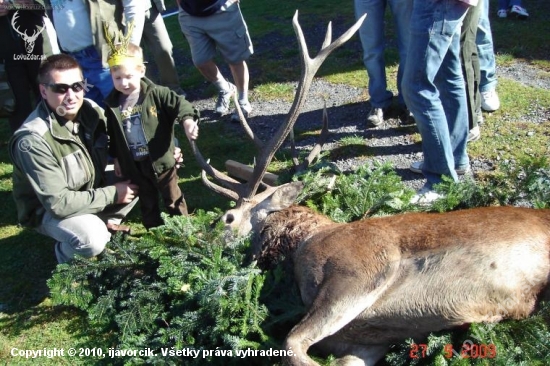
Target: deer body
[
  {"x": 369, "y": 283},
  {"x": 373, "y": 282}
]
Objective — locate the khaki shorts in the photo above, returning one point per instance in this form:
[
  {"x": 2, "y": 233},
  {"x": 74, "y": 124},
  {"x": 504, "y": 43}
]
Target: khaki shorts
[{"x": 225, "y": 30}]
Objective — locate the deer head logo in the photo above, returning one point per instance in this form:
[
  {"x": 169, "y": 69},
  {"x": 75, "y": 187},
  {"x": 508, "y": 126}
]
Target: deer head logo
[{"x": 29, "y": 40}]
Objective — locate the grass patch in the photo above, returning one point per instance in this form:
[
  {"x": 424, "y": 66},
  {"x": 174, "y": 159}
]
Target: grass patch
[{"x": 517, "y": 132}]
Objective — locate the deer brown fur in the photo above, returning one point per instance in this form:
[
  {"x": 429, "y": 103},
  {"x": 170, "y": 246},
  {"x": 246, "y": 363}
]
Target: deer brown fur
[{"x": 370, "y": 283}]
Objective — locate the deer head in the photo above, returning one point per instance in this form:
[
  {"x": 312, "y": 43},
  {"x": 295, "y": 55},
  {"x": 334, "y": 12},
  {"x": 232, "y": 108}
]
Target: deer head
[
  {"x": 252, "y": 207},
  {"x": 29, "y": 40}
]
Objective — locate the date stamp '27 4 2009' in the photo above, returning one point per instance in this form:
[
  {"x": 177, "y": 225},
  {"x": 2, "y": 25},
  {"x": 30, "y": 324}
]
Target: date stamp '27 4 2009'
[{"x": 468, "y": 350}]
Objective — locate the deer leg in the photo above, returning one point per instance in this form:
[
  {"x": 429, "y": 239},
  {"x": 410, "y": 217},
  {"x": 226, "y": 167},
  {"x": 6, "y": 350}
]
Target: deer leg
[{"x": 338, "y": 302}]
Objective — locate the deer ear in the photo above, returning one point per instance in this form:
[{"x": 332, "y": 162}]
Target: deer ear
[{"x": 285, "y": 196}]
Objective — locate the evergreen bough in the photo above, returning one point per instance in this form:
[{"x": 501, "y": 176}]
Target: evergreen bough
[{"x": 186, "y": 285}]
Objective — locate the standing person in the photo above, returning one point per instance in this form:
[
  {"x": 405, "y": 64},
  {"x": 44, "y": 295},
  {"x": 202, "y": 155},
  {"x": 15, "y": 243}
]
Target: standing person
[
  {"x": 141, "y": 117},
  {"x": 218, "y": 24},
  {"x": 374, "y": 43},
  {"x": 469, "y": 59},
  {"x": 433, "y": 87},
  {"x": 511, "y": 8},
  {"x": 79, "y": 26},
  {"x": 24, "y": 42},
  {"x": 156, "y": 39},
  {"x": 59, "y": 157},
  {"x": 487, "y": 64}
]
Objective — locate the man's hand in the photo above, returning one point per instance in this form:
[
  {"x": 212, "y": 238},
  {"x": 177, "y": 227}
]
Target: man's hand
[{"x": 126, "y": 191}]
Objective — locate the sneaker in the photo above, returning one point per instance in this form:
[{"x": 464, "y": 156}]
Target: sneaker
[
  {"x": 246, "y": 108},
  {"x": 406, "y": 118},
  {"x": 224, "y": 99},
  {"x": 425, "y": 196},
  {"x": 417, "y": 168},
  {"x": 376, "y": 116},
  {"x": 502, "y": 13},
  {"x": 474, "y": 134},
  {"x": 519, "y": 12},
  {"x": 490, "y": 101}
]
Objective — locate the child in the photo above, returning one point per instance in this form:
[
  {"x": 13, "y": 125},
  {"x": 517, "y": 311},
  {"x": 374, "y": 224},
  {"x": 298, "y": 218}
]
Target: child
[{"x": 140, "y": 118}]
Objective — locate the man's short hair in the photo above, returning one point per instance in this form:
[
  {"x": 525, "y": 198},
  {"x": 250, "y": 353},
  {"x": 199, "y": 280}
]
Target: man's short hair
[{"x": 56, "y": 62}]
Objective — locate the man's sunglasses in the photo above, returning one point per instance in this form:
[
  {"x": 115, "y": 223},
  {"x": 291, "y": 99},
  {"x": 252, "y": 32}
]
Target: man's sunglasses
[{"x": 64, "y": 88}]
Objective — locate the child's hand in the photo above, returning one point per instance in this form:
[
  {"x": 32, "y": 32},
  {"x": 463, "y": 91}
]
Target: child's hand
[
  {"x": 118, "y": 171},
  {"x": 191, "y": 129},
  {"x": 178, "y": 156}
]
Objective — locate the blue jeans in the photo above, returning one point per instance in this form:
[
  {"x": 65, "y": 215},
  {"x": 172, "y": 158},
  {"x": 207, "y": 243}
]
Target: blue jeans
[
  {"x": 84, "y": 235},
  {"x": 98, "y": 78},
  {"x": 373, "y": 42},
  {"x": 485, "y": 50},
  {"x": 433, "y": 86},
  {"x": 505, "y": 4}
]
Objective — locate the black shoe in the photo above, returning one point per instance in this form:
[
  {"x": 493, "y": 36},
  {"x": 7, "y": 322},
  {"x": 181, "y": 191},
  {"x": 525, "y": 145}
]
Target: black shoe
[{"x": 406, "y": 118}]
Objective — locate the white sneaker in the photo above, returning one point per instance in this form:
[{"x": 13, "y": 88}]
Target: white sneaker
[
  {"x": 519, "y": 12},
  {"x": 224, "y": 99},
  {"x": 246, "y": 108},
  {"x": 502, "y": 13},
  {"x": 490, "y": 101},
  {"x": 474, "y": 134},
  {"x": 425, "y": 196},
  {"x": 417, "y": 168},
  {"x": 376, "y": 116}
]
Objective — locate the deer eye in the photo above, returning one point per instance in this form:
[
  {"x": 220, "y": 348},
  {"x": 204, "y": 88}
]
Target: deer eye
[{"x": 229, "y": 218}]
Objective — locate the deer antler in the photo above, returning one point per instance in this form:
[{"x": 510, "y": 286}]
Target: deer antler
[
  {"x": 299, "y": 167},
  {"x": 245, "y": 191},
  {"x": 15, "y": 27}
]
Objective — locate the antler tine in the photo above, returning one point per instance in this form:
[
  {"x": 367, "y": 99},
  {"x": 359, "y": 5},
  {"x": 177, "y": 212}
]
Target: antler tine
[
  {"x": 244, "y": 123},
  {"x": 232, "y": 188},
  {"x": 217, "y": 188},
  {"x": 298, "y": 167},
  {"x": 318, "y": 144},
  {"x": 309, "y": 69},
  {"x": 15, "y": 27}
]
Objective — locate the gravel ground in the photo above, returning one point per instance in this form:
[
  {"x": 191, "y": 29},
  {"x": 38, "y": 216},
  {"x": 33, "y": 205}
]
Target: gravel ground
[
  {"x": 346, "y": 107},
  {"x": 347, "y": 117}
]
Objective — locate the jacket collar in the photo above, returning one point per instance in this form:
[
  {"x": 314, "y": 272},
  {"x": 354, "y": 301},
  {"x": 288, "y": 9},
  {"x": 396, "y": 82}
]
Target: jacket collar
[
  {"x": 88, "y": 121},
  {"x": 112, "y": 99}
]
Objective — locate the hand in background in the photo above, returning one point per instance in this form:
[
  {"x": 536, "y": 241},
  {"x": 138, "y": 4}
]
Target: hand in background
[
  {"x": 118, "y": 171},
  {"x": 178, "y": 156},
  {"x": 126, "y": 191}
]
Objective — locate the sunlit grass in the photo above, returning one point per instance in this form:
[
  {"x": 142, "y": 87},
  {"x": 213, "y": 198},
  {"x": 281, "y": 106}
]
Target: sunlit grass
[{"x": 27, "y": 321}]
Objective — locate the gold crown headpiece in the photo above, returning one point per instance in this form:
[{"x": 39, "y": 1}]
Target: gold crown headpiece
[{"x": 118, "y": 46}]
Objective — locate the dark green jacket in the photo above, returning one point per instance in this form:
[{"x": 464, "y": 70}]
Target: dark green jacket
[
  {"x": 55, "y": 172},
  {"x": 160, "y": 110}
]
